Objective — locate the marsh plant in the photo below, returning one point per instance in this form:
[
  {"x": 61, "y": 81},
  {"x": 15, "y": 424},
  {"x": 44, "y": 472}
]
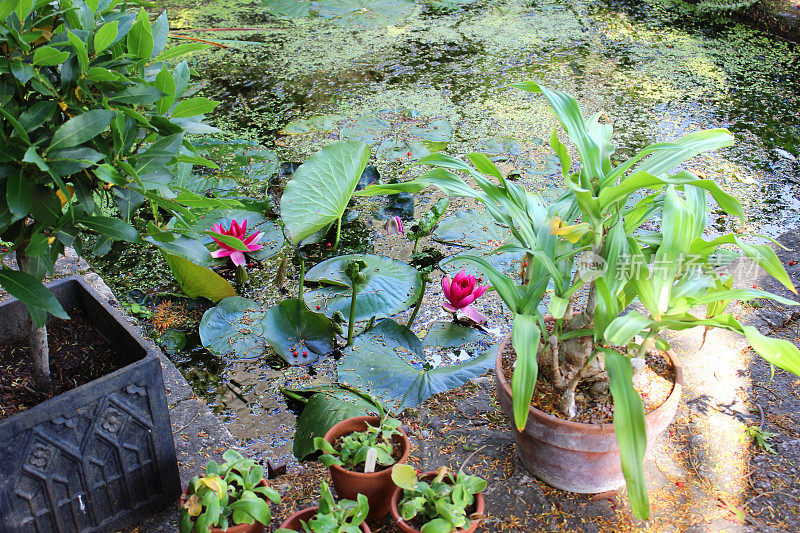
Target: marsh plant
[
  {"x": 624, "y": 233},
  {"x": 344, "y": 516},
  {"x": 93, "y": 122},
  {"x": 354, "y": 448},
  {"x": 440, "y": 504},
  {"x": 228, "y": 494}
]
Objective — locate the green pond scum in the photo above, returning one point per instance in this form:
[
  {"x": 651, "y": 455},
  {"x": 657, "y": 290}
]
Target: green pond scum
[{"x": 295, "y": 76}]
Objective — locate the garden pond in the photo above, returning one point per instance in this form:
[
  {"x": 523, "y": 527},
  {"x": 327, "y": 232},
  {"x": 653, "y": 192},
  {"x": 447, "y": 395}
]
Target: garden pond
[{"x": 411, "y": 78}]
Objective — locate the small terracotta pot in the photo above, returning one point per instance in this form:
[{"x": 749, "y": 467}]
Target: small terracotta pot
[
  {"x": 573, "y": 456},
  {"x": 293, "y": 522},
  {"x": 255, "y": 527},
  {"x": 408, "y": 528},
  {"x": 376, "y": 486}
]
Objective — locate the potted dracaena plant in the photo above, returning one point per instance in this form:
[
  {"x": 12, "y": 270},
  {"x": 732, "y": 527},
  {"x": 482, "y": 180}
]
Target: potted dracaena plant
[
  {"x": 93, "y": 126},
  {"x": 609, "y": 256}
]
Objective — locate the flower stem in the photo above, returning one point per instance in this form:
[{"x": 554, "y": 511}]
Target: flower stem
[
  {"x": 419, "y": 302},
  {"x": 302, "y": 277},
  {"x": 338, "y": 233},
  {"x": 351, "y": 322}
]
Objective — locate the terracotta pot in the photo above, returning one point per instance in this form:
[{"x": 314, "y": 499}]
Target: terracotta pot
[
  {"x": 408, "y": 528},
  {"x": 573, "y": 456},
  {"x": 376, "y": 486},
  {"x": 293, "y": 522},
  {"x": 255, "y": 527}
]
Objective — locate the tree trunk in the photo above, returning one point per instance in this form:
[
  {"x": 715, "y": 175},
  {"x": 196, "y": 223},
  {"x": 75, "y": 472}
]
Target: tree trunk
[{"x": 39, "y": 351}]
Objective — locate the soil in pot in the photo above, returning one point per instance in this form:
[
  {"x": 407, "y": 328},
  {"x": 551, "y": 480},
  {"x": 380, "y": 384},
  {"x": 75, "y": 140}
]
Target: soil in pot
[
  {"x": 654, "y": 384},
  {"x": 78, "y": 355}
]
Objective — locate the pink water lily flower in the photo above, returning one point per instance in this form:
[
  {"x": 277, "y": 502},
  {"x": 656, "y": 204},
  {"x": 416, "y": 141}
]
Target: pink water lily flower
[
  {"x": 460, "y": 293},
  {"x": 240, "y": 232},
  {"x": 394, "y": 225}
]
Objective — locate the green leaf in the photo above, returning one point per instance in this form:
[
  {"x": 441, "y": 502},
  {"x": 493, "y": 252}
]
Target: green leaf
[
  {"x": 779, "y": 352},
  {"x": 105, "y": 36},
  {"x": 252, "y": 505},
  {"x": 196, "y": 280},
  {"x": 80, "y": 50},
  {"x": 404, "y": 476},
  {"x": 166, "y": 84},
  {"x": 377, "y": 363},
  {"x": 47, "y": 56},
  {"x": 19, "y": 195},
  {"x": 33, "y": 294},
  {"x": 389, "y": 286},
  {"x": 765, "y": 257},
  {"x": 298, "y": 335},
  {"x": 138, "y": 95},
  {"x": 111, "y": 227},
  {"x": 81, "y": 128},
  {"x": 181, "y": 49},
  {"x": 630, "y": 429},
  {"x": 193, "y": 107},
  {"x": 561, "y": 152},
  {"x": 322, "y": 411},
  {"x": 319, "y": 191},
  {"x": 623, "y": 328},
  {"x": 525, "y": 337},
  {"x": 140, "y": 37},
  {"x": 272, "y": 240}
]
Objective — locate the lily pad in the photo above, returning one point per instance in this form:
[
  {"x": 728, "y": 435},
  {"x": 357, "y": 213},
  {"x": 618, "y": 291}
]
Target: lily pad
[
  {"x": 367, "y": 129},
  {"x": 390, "y": 286},
  {"x": 499, "y": 147},
  {"x": 326, "y": 407},
  {"x": 240, "y": 328},
  {"x": 473, "y": 229},
  {"x": 315, "y": 123},
  {"x": 234, "y": 328},
  {"x": 438, "y": 130},
  {"x": 298, "y": 335},
  {"x": 239, "y": 159},
  {"x": 356, "y": 12},
  {"x": 401, "y": 150},
  {"x": 272, "y": 241},
  {"x": 319, "y": 191},
  {"x": 381, "y": 363}
]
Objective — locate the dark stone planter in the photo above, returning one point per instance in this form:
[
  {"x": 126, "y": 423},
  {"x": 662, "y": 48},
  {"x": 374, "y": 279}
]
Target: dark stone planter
[{"x": 97, "y": 457}]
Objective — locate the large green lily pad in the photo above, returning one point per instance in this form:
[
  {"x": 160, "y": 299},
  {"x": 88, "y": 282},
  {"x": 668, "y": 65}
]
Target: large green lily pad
[
  {"x": 298, "y": 335},
  {"x": 388, "y": 363},
  {"x": 239, "y": 159},
  {"x": 272, "y": 241},
  {"x": 318, "y": 193},
  {"x": 315, "y": 123},
  {"x": 238, "y": 327},
  {"x": 234, "y": 328},
  {"x": 471, "y": 228},
  {"x": 438, "y": 130},
  {"x": 367, "y": 129},
  {"x": 390, "y": 287}
]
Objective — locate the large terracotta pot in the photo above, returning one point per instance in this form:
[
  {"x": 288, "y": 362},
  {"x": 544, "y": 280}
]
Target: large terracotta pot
[
  {"x": 376, "y": 486},
  {"x": 408, "y": 528},
  {"x": 255, "y": 527},
  {"x": 573, "y": 456},
  {"x": 293, "y": 522}
]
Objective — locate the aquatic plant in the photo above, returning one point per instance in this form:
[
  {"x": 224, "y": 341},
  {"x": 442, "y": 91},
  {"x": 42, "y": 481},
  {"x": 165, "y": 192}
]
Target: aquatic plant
[
  {"x": 393, "y": 226},
  {"x": 611, "y": 256},
  {"x": 353, "y": 448},
  {"x": 234, "y": 242},
  {"x": 228, "y": 494},
  {"x": 90, "y": 116},
  {"x": 462, "y": 291}
]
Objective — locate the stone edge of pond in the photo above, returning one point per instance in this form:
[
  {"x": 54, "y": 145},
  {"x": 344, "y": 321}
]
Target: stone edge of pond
[{"x": 781, "y": 19}]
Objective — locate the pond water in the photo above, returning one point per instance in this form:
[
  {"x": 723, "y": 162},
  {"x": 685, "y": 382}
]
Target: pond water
[{"x": 404, "y": 75}]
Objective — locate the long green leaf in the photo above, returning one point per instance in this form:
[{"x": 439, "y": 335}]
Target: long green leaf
[
  {"x": 81, "y": 128},
  {"x": 630, "y": 430},
  {"x": 111, "y": 227},
  {"x": 32, "y": 293},
  {"x": 766, "y": 258},
  {"x": 623, "y": 328},
  {"x": 779, "y": 352},
  {"x": 525, "y": 337}
]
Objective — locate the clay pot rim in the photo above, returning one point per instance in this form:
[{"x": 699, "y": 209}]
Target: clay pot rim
[
  {"x": 297, "y": 514},
  {"x": 480, "y": 505},
  {"x": 406, "y": 446},
  {"x": 584, "y": 426}
]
